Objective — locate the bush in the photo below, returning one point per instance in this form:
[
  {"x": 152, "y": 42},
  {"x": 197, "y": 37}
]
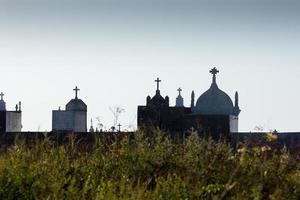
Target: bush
[{"x": 147, "y": 168}]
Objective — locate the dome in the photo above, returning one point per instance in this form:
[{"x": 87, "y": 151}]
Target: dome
[
  {"x": 214, "y": 101},
  {"x": 76, "y": 105}
]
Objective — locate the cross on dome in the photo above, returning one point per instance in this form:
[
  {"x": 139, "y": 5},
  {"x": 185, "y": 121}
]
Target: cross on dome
[
  {"x": 76, "y": 92},
  {"x": 1, "y": 95},
  {"x": 179, "y": 90},
  {"x": 157, "y": 81},
  {"x": 214, "y": 72}
]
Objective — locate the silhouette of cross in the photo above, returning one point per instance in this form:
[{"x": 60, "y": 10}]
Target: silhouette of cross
[
  {"x": 214, "y": 71},
  {"x": 157, "y": 81},
  {"x": 1, "y": 95},
  {"x": 76, "y": 92},
  {"x": 179, "y": 90}
]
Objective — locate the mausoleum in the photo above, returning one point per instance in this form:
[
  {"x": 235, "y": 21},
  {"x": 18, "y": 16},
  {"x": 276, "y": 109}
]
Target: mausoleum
[
  {"x": 214, "y": 112},
  {"x": 10, "y": 121},
  {"x": 74, "y": 118}
]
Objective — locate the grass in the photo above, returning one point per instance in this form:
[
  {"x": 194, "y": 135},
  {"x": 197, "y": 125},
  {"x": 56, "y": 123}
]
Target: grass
[{"x": 147, "y": 168}]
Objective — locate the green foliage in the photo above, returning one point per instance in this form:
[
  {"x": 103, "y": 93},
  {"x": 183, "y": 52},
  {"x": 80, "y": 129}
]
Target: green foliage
[{"x": 147, "y": 168}]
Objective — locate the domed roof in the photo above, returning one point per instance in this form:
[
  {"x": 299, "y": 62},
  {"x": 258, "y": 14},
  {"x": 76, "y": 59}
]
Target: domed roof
[
  {"x": 214, "y": 101},
  {"x": 76, "y": 105}
]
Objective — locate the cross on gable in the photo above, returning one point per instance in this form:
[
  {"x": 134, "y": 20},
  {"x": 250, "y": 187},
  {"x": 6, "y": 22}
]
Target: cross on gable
[
  {"x": 157, "y": 81},
  {"x": 1, "y": 95},
  {"x": 119, "y": 125},
  {"x": 76, "y": 92},
  {"x": 179, "y": 90}
]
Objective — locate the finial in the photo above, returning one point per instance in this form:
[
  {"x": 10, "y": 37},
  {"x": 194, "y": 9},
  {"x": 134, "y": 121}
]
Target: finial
[
  {"x": 157, "y": 82},
  {"x": 214, "y": 72},
  {"x": 1, "y": 96},
  {"x": 237, "y": 109},
  {"x": 179, "y": 91},
  {"x": 76, "y": 92},
  {"x": 179, "y": 99},
  {"x": 236, "y": 99},
  {"x": 193, "y": 100},
  {"x": 92, "y": 128},
  {"x": 119, "y": 125}
]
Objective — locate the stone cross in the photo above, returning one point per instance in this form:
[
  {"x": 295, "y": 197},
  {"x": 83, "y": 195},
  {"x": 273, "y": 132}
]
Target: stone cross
[
  {"x": 214, "y": 72},
  {"x": 1, "y": 96},
  {"x": 179, "y": 90},
  {"x": 119, "y": 125},
  {"x": 76, "y": 92},
  {"x": 157, "y": 81}
]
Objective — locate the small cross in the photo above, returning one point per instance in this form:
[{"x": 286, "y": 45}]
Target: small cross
[
  {"x": 214, "y": 71},
  {"x": 157, "y": 81},
  {"x": 1, "y": 96},
  {"x": 76, "y": 92},
  {"x": 179, "y": 90},
  {"x": 119, "y": 125}
]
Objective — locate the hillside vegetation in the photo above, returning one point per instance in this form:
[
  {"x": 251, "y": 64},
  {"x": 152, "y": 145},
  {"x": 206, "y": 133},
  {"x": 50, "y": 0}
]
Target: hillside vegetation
[{"x": 147, "y": 168}]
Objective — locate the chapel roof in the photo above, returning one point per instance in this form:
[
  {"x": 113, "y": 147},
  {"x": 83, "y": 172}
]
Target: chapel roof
[{"x": 214, "y": 101}]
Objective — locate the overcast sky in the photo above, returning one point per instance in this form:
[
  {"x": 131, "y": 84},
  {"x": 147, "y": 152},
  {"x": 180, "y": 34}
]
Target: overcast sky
[{"x": 115, "y": 49}]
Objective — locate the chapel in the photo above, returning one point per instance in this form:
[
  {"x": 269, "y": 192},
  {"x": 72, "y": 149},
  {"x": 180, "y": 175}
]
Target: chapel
[
  {"x": 73, "y": 118},
  {"x": 214, "y": 113}
]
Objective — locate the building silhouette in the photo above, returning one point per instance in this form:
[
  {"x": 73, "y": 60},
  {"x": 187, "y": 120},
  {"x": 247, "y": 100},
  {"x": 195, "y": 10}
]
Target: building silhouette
[
  {"x": 10, "y": 121},
  {"x": 74, "y": 118},
  {"x": 213, "y": 113}
]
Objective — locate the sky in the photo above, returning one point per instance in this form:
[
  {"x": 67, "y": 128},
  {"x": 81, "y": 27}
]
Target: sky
[{"x": 113, "y": 50}]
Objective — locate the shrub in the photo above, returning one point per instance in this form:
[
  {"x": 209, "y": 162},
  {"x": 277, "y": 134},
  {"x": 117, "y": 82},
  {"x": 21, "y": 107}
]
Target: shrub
[{"x": 147, "y": 168}]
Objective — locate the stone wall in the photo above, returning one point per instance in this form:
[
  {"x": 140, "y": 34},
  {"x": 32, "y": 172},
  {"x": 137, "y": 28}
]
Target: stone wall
[
  {"x": 13, "y": 121},
  {"x": 62, "y": 120}
]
